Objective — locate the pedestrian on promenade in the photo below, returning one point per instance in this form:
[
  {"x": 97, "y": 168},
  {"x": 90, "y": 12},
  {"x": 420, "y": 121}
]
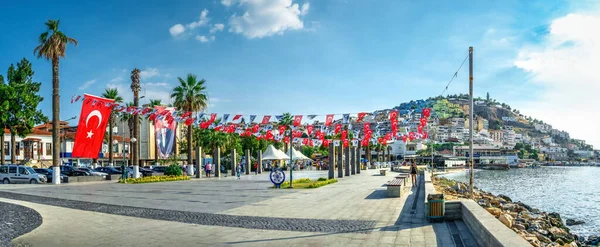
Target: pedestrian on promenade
[
  {"x": 208, "y": 168},
  {"x": 238, "y": 171},
  {"x": 256, "y": 168},
  {"x": 413, "y": 173}
]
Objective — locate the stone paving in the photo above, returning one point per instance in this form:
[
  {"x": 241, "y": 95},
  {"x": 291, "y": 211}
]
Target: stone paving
[{"x": 359, "y": 201}]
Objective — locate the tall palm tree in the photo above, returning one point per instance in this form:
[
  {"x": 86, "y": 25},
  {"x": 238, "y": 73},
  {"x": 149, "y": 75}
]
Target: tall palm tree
[
  {"x": 53, "y": 45},
  {"x": 111, "y": 93},
  {"x": 153, "y": 103},
  {"x": 135, "y": 88},
  {"x": 127, "y": 117},
  {"x": 190, "y": 96}
]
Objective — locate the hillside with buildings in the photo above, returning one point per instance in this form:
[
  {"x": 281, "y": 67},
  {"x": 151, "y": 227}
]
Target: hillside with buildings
[{"x": 495, "y": 125}]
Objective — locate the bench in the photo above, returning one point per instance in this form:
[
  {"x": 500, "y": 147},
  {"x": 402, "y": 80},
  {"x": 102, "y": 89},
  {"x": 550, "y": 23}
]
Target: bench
[
  {"x": 403, "y": 176},
  {"x": 394, "y": 187},
  {"x": 382, "y": 172}
]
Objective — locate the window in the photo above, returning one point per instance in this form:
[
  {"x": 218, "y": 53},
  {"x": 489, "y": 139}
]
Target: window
[
  {"x": 22, "y": 170},
  {"x": 48, "y": 148},
  {"x": 12, "y": 169},
  {"x": 6, "y": 148},
  {"x": 3, "y": 169},
  {"x": 18, "y": 149}
]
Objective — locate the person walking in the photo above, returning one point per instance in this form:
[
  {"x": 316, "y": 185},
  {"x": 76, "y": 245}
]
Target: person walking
[
  {"x": 208, "y": 167},
  {"x": 256, "y": 168},
  {"x": 238, "y": 171},
  {"x": 413, "y": 173}
]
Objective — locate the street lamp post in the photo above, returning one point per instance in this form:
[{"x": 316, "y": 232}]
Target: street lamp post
[{"x": 291, "y": 164}]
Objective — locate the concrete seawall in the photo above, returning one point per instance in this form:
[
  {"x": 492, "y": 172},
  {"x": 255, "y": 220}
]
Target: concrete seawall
[{"x": 485, "y": 228}]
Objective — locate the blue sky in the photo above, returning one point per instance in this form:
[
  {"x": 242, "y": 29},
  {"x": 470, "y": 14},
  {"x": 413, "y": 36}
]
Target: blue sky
[{"x": 303, "y": 57}]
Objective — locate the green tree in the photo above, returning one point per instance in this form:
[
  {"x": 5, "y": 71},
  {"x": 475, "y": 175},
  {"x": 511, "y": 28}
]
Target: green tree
[
  {"x": 111, "y": 93},
  {"x": 190, "y": 96},
  {"x": 53, "y": 46},
  {"x": 287, "y": 120},
  {"x": 487, "y": 97},
  {"x": 23, "y": 113},
  {"x": 5, "y": 99}
]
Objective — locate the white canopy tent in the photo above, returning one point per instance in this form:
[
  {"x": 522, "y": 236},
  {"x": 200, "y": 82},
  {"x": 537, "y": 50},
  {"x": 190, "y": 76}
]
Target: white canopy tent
[
  {"x": 274, "y": 154},
  {"x": 297, "y": 155}
]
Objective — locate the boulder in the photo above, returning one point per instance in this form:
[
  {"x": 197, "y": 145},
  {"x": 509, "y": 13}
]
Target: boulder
[
  {"x": 495, "y": 202},
  {"x": 484, "y": 202},
  {"x": 513, "y": 214},
  {"x": 520, "y": 227},
  {"x": 506, "y": 198},
  {"x": 572, "y": 222},
  {"x": 556, "y": 233},
  {"x": 533, "y": 241},
  {"x": 509, "y": 207},
  {"x": 523, "y": 205},
  {"x": 506, "y": 219},
  {"x": 494, "y": 211},
  {"x": 543, "y": 232},
  {"x": 542, "y": 238},
  {"x": 534, "y": 226}
]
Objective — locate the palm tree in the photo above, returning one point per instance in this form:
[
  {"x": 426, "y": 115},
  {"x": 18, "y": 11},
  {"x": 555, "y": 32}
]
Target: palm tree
[
  {"x": 53, "y": 47},
  {"x": 287, "y": 121},
  {"x": 111, "y": 93},
  {"x": 153, "y": 103},
  {"x": 135, "y": 88},
  {"x": 190, "y": 96}
]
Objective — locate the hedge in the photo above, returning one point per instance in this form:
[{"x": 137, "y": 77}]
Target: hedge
[
  {"x": 322, "y": 183},
  {"x": 153, "y": 179}
]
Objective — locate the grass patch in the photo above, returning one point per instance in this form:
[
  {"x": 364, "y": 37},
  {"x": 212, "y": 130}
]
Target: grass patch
[
  {"x": 305, "y": 183},
  {"x": 153, "y": 179}
]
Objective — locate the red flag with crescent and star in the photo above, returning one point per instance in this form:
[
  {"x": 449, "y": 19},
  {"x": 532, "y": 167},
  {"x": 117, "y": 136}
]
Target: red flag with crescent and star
[
  {"x": 329, "y": 120},
  {"x": 92, "y": 126}
]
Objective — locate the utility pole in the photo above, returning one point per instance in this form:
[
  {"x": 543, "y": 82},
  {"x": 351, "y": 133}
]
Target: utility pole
[{"x": 471, "y": 154}]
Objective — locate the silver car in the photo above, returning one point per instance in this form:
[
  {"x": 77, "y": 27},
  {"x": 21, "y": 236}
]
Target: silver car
[{"x": 14, "y": 174}]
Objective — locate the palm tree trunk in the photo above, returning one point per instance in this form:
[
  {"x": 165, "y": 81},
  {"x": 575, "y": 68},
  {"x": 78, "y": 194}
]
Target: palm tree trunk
[
  {"x": 55, "y": 114},
  {"x": 155, "y": 151},
  {"x": 189, "y": 145},
  {"x": 110, "y": 141},
  {"x": 13, "y": 150}
]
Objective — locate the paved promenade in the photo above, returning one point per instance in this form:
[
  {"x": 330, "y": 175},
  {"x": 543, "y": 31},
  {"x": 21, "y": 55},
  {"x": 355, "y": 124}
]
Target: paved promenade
[{"x": 227, "y": 211}]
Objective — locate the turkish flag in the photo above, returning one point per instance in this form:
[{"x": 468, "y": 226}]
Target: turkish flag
[
  {"x": 213, "y": 117},
  {"x": 238, "y": 116},
  {"x": 281, "y": 129},
  {"x": 338, "y": 127},
  {"x": 92, "y": 125},
  {"x": 309, "y": 129},
  {"x": 361, "y": 116},
  {"x": 266, "y": 119},
  {"x": 329, "y": 120},
  {"x": 297, "y": 120}
]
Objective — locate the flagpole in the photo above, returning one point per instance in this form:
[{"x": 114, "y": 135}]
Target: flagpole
[{"x": 291, "y": 164}]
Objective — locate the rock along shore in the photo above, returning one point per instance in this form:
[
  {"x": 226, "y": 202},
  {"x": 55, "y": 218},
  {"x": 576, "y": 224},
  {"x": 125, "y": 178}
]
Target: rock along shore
[{"x": 538, "y": 228}]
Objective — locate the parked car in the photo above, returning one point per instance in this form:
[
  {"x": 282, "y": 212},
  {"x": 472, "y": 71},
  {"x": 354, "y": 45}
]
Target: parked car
[
  {"x": 92, "y": 172},
  {"x": 13, "y": 174},
  {"x": 108, "y": 170},
  {"x": 147, "y": 172},
  {"x": 72, "y": 171},
  {"x": 48, "y": 173},
  {"x": 160, "y": 169}
]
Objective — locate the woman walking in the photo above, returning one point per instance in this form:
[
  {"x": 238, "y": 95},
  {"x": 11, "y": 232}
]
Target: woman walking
[
  {"x": 208, "y": 168},
  {"x": 413, "y": 173},
  {"x": 238, "y": 171}
]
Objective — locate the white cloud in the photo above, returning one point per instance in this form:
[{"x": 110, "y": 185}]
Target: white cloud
[
  {"x": 176, "y": 30},
  {"x": 116, "y": 79},
  {"x": 212, "y": 38},
  {"x": 202, "y": 38},
  {"x": 227, "y": 2},
  {"x": 565, "y": 65},
  {"x": 154, "y": 84},
  {"x": 149, "y": 73},
  {"x": 201, "y": 22},
  {"x": 217, "y": 27},
  {"x": 87, "y": 84},
  {"x": 264, "y": 18}
]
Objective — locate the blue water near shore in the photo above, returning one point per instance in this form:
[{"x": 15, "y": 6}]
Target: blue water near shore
[{"x": 573, "y": 192}]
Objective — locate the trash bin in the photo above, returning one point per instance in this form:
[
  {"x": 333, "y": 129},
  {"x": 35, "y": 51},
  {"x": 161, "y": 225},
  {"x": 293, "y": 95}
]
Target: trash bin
[{"x": 436, "y": 206}]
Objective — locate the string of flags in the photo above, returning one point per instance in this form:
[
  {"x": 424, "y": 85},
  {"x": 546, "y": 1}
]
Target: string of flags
[{"x": 307, "y": 134}]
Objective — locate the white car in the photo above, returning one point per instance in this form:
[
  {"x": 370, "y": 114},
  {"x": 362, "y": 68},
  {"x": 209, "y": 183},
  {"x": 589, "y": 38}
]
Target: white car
[
  {"x": 13, "y": 174},
  {"x": 92, "y": 172}
]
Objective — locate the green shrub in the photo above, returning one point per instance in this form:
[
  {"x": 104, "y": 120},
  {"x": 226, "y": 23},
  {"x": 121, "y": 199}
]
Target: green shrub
[
  {"x": 322, "y": 183},
  {"x": 153, "y": 179},
  {"x": 173, "y": 170},
  {"x": 322, "y": 179}
]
